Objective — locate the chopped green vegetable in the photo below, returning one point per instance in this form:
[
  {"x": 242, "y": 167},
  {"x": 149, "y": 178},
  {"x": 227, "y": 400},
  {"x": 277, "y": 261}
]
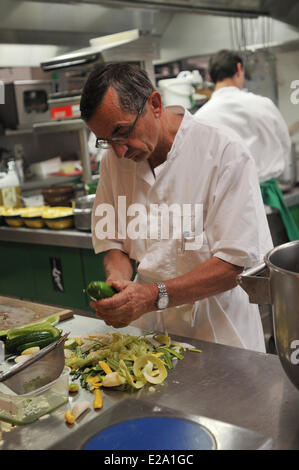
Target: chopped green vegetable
[{"x": 132, "y": 361}]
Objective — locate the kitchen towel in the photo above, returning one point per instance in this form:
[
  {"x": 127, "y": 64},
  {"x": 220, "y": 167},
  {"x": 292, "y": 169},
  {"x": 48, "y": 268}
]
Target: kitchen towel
[{"x": 272, "y": 196}]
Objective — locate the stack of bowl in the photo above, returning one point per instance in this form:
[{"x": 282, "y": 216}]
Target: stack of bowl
[{"x": 58, "y": 195}]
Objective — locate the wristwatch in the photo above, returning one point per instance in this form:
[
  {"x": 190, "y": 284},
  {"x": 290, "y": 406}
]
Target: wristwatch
[{"x": 163, "y": 299}]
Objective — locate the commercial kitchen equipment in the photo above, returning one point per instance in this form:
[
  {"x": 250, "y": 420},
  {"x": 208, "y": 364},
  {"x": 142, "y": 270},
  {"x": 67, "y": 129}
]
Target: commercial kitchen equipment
[
  {"x": 25, "y": 103},
  {"x": 276, "y": 282}
]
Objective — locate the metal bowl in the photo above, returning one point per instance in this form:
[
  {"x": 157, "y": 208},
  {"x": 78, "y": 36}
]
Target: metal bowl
[
  {"x": 85, "y": 202},
  {"x": 83, "y": 211}
]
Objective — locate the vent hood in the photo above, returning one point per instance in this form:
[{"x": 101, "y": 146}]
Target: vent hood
[
  {"x": 286, "y": 11},
  {"x": 127, "y": 46}
]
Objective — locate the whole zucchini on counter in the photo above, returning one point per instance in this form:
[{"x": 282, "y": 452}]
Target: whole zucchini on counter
[{"x": 39, "y": 335}]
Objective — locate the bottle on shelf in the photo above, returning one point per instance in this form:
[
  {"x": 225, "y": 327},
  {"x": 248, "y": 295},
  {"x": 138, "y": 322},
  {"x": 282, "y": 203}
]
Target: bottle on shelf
[{"x": 10, "y": 193}]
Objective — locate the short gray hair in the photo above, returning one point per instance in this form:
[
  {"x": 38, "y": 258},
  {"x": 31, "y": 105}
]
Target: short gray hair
[{"x": 131, "y": 83}]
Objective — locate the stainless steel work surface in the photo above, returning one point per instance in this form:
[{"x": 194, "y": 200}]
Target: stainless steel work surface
[{"x": 231, "y": 385}]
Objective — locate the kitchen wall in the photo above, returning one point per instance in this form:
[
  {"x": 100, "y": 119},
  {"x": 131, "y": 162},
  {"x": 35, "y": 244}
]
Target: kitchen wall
[
  {"x": 287, "y": 64},
  {"x": 191, "y": 35},
  {"x": 198, "y": 35}
]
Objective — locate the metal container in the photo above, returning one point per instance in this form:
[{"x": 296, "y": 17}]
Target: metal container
[
  {"x": 276, "y": 282},
  {"x": 83, "y": 211}
]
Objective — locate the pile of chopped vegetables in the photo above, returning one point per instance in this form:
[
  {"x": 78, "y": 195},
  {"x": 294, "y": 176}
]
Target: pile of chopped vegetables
[{"x": 122, "y": 361}]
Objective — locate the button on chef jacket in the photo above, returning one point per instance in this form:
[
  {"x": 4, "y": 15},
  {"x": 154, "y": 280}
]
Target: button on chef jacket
[
  {"x": 209, "y": 166},
  {"x": 257, "y": 121}
]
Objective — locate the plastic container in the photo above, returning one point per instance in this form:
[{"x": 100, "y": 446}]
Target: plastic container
[
  {"x": 43, "y": 169},
  {"x": 24, "y": 409},
  {"x": 179, "y": 90},
  {"x": 10, "y": 193}
]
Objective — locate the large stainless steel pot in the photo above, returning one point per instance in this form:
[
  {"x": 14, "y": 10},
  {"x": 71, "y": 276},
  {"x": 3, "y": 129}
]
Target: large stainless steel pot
[
  {"x": 276, "y": 282},
  {"x": 82, "y": 212}
]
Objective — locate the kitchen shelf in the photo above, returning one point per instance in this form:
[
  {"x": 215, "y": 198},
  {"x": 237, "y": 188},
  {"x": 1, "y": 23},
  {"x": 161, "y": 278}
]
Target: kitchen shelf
[
  {"x": 39, "y": 183},
  {"x": 12, "y": 132}
]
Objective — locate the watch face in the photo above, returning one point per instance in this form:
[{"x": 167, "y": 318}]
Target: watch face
[{"x": 163, "y": 302}]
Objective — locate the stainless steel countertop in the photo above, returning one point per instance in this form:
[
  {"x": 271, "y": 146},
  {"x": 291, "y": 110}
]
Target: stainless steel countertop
[
  {"x": 68, "y": 238},
  {"x": 236, "y": 386}
]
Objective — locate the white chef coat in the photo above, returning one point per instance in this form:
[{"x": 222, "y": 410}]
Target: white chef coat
[
  {"x": 205, "y": 165},
  {"x": 257, "y": 121}
]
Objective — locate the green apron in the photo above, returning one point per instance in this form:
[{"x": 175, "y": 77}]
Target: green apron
[{"x": 272, "y": 196}]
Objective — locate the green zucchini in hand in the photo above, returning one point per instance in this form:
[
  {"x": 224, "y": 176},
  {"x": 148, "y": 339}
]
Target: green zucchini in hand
[{"x": 97, "y": 290}]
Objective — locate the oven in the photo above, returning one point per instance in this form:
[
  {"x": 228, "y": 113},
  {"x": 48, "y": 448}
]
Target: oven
[{"x": 25, "y": 103}]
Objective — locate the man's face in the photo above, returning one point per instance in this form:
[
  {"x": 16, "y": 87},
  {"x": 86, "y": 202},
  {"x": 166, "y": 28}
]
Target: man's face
[{"x": 110, "y": 121}]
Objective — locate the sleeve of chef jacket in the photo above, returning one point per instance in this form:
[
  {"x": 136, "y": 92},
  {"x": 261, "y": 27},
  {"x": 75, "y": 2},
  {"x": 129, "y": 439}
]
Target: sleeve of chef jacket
[
  {"x": 236, "y": 226},
  {"x": 280, "y": 130},
  {"x": 104, "y": 195}
]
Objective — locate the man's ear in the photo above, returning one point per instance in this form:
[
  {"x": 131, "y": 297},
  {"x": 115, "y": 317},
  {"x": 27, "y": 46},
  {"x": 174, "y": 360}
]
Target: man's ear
[
  {"x": 155, "y": 103},
  {"x": 239, "y": 69}
]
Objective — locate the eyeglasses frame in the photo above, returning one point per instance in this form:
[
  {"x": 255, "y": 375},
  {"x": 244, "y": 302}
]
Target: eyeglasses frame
[{"x": 107, "y": 143}]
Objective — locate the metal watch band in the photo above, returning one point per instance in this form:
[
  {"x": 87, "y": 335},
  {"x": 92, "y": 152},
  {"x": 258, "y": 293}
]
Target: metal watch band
[
  {"x": 162, "y": 293},
  {"x": 162, "y": 288}
]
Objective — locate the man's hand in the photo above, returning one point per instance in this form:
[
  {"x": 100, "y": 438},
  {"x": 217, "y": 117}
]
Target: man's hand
[{"x": 132, "y": 301}]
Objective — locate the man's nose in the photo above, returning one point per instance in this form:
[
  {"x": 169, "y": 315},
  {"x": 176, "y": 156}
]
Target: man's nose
[{"x": 120, "y": 150}]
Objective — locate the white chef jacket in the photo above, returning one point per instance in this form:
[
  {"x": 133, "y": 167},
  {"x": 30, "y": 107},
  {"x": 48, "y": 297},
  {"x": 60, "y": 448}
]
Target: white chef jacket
[
  {"x": 209, "y": 167},
  {"x": 258, "y": 122}
]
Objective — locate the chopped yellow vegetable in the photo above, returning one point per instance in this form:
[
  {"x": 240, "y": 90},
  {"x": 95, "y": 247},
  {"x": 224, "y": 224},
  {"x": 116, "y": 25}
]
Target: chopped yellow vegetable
[
  {"x": 144, "y": 367},
  {"x": 92, "y": 380},
  {"x": 69, "y": 417},
  {"x": 164, "y": 339},
  {"x": 95, "y": 386},
  {"x": 98, "y": 399},
  {"x": 73, "y": 388},
  {"x": 79, "y": 341},
  {"x": 30, "y": 350},
  {"x": 105, "y": 367}
]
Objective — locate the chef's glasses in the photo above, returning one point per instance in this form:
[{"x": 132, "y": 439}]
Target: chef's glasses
[{"x": 121, "y": 140}]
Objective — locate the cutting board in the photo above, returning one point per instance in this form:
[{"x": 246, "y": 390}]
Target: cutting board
[{"x": 15, "y": 313}]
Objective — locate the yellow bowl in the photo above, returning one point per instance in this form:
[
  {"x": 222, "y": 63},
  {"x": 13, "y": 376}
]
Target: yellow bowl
[
  {"x": 33, "y": 222},
  {"x": 13, "y": 220},
  {"x": 60, "y": 223}
]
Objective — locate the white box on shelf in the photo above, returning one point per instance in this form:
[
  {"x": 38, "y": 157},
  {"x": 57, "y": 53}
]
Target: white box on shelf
[{"x": 43, "y": 169}]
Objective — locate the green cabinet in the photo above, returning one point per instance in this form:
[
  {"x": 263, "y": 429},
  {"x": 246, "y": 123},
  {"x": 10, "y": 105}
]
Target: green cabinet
[
  {"x": 49, "y": 274},
  {"x": 58, "y": 276},
  {"x": 16, "y": 270},
  {"x": 93, "y": 267},
  {"x": 53, "y": 275}
]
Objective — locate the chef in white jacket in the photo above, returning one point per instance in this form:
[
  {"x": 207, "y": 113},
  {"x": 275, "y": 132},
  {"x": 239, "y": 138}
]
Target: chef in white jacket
[
  {"x": 186, "y": 284},
  {"x": 255, "y": 118}
]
